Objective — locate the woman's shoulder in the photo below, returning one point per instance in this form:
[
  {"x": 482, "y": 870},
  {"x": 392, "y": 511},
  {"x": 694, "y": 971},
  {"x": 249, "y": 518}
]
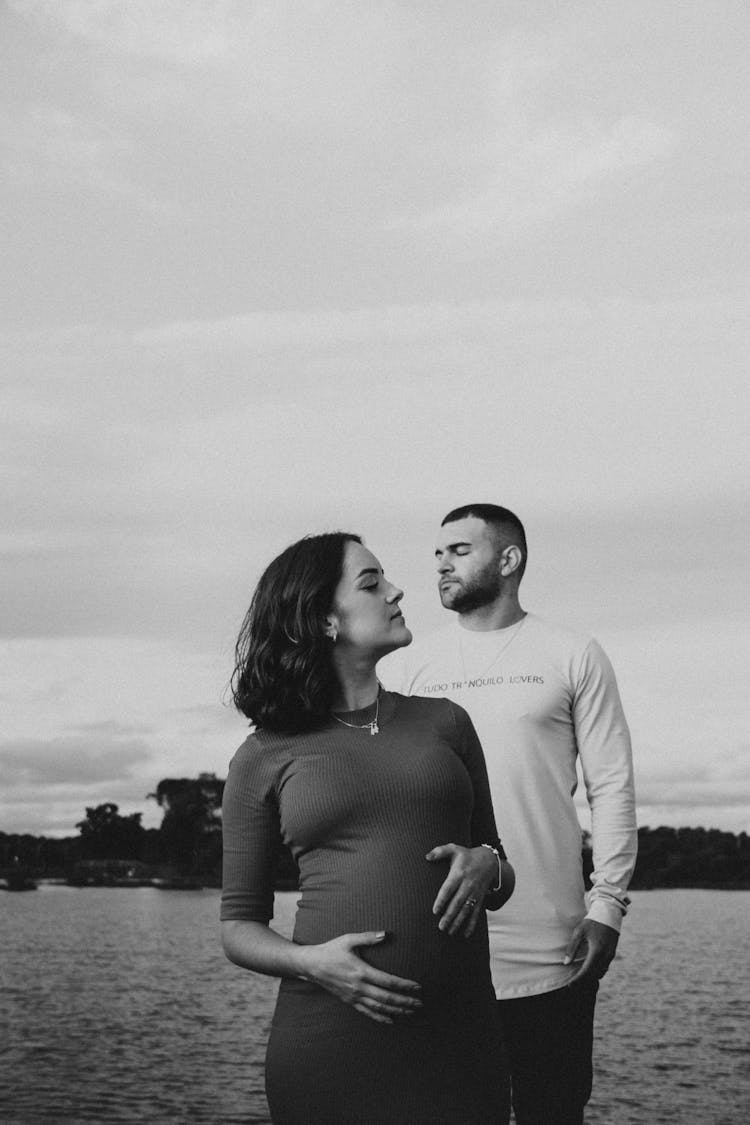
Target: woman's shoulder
[{"x": 263, "y": 751}]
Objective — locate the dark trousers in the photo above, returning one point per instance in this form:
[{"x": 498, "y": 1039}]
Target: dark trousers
[{"x": 549, "y": 1040}]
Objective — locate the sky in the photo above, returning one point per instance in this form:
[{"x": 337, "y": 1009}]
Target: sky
[{"x": 275, "y": 268}]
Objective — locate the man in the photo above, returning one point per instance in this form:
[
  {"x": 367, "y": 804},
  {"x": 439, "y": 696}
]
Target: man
[{"x": 540, "y": 698}]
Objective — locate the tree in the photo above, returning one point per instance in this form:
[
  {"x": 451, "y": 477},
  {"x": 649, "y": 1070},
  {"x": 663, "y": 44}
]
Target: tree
[
  {"x": 107, "y": 835},
  {"x": 191, "y": 829}
]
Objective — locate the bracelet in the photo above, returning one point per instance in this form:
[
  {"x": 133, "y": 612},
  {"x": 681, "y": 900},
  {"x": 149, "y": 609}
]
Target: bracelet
[{"x": 496, "y": 854}]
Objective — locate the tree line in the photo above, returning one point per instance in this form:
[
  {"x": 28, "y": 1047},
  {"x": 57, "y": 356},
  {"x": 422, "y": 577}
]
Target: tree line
[
  {"x": 692, "y": 857},
  {"x": 188, "y": 844},
  {"x": 686, "y": 857}
]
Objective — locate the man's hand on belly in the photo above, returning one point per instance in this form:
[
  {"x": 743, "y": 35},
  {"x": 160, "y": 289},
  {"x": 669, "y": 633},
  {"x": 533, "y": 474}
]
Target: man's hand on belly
[{"x": 460, "y": 900}]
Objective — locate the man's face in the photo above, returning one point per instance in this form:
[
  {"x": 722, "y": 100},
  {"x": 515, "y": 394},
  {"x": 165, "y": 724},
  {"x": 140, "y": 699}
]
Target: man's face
[{"x": 468, "y": 563}]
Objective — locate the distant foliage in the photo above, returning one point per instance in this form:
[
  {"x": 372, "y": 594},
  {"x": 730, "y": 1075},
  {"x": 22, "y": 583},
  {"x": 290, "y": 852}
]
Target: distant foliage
[
  {"x": 692, "y": 857},
  {"x": 188, "y": 844},
  {"x": 686, "y": 857},
  {"x": 190, "y": 832},
  {"x": 107, "y": 835}
]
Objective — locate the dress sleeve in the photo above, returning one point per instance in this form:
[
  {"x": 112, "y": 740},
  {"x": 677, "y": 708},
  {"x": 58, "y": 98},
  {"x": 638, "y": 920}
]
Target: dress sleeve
[
  {"x": 469, "y": 750},
  {"x": 251, "y": 836},
  {"x": 483, "y": 827},
  {"x": 606, "y": 761}
]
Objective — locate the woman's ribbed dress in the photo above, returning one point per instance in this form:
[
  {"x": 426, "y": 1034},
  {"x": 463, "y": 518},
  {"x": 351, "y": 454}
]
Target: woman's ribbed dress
[{"x": 359, "y": 813}]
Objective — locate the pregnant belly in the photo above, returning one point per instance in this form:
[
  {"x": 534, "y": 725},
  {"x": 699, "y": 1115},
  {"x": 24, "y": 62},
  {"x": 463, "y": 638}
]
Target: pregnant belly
[{"x": 453, "y": 971}]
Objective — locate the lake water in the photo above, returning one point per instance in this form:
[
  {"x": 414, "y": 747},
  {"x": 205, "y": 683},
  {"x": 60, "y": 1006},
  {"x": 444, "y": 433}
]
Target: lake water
[{"x": 118, "y": 1006}]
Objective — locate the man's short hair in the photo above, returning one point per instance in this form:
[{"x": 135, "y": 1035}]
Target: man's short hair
[{"x": 506, "y": 525}]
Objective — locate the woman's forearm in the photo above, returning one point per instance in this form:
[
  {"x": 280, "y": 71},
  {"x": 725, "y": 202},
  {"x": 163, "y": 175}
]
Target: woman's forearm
[
  {"x": 334, "y": 965},
  {"x": 255, "y": 946}
]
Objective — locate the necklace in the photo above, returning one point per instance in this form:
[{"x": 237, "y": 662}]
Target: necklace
[
  {"x": 372, "y": 726},
  {"x": 495, "y": 657}
]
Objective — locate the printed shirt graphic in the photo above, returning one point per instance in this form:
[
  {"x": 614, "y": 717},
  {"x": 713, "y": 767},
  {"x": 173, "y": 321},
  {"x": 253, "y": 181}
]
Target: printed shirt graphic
[{"x": 539, "y": 696}]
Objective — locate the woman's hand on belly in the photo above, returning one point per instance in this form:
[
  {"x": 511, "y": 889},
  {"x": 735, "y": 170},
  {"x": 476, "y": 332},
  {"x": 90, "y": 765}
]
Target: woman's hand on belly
[{"x": 335, "y": 966}]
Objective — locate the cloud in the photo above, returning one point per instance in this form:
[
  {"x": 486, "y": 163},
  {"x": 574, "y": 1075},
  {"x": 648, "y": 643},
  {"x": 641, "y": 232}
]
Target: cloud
[
  {"x": 719, "y": 779},
  {"x": 170, "y": 30},
  {"x": 65, "y": 748},
  {"x": 682, "y": 794},
  {"x": 556, "y": 317},
  {"x": 50, "y": 146},
  {"x": 547, "y": 173},
  {"x": 146, "y": 467},
  {"x": 494, "y": 321},
  {"x": 376, "y": 326},
  {"x": 269, "y": 60},
  {"x": 89, "y": 757},
  {"x": 49, "y": 782}
]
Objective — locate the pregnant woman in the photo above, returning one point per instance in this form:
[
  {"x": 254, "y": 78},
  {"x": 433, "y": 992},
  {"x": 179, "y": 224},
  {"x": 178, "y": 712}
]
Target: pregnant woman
[{"x": 385, "y": 1012}]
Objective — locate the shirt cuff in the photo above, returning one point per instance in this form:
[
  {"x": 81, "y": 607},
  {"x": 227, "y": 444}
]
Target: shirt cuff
[{"x": 607, "y": 914}]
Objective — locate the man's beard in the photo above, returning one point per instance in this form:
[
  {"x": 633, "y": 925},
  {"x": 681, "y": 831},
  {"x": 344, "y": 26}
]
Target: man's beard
[{"x": 478, "y": 591}]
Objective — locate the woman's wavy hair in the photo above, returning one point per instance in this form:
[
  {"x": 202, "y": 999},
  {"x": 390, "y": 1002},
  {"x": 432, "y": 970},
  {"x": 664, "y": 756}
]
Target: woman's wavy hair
[{"x": 283, "y": 678}]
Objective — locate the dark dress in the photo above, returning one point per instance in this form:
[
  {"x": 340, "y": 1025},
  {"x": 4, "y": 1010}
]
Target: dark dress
[{"x": 359, "y": 813}]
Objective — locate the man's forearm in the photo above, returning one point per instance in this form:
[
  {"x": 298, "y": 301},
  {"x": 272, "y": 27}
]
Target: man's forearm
[{"x": 615, "y": 846}]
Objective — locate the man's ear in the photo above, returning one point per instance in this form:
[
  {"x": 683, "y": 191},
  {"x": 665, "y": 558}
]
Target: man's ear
[{"x": 510, "y": 560}]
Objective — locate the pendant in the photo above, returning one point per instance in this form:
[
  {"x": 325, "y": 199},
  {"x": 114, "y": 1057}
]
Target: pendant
[{"x": 374, "y": 728}]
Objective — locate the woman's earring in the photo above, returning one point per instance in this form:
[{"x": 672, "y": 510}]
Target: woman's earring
[{"x": 332, "y": 636}]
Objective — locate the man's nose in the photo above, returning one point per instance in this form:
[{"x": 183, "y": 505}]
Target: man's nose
[{"x": 444, "y": 565}]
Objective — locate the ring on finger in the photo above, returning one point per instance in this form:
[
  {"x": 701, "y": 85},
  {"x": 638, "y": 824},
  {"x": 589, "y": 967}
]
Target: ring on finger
[{"x": 471, "y": 903}]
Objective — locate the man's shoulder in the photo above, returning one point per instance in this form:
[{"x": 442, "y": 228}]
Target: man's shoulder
[
  {"x": 578, "y": 656},
  {"x": 557, "y": 635}
]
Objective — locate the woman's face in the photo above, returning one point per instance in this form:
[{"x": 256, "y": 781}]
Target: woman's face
[{"x": 365, "y": 612}]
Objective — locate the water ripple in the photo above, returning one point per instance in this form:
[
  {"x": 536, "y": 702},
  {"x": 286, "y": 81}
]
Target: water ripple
[{"x": 123, "y": 1010}]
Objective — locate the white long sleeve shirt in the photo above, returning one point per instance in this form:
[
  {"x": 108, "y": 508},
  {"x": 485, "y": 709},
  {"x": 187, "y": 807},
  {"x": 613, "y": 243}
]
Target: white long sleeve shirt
[{"x": 540, "y": 696}]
